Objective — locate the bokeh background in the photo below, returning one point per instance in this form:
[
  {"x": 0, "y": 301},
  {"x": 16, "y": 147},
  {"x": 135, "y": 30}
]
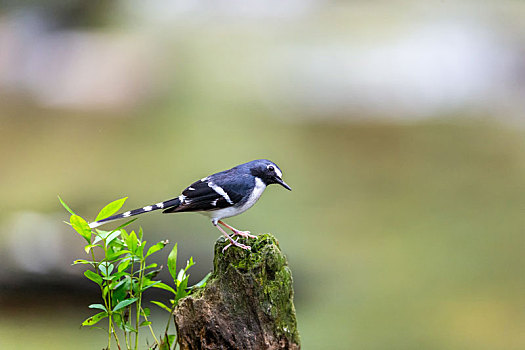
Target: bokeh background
[{"x": 399, "y": 125}]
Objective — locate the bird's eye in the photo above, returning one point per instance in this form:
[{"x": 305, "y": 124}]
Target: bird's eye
[{"x": 271, "y": 168}]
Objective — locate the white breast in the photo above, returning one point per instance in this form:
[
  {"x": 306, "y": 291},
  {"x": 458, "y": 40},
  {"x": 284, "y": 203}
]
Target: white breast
[{"x": 220, "y": 214}]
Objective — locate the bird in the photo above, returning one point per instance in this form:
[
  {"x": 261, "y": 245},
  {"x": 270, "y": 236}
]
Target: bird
[{"x": 221, "y": 195}]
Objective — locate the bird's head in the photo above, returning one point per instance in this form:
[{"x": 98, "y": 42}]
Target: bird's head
[{"x": 268, "y": 172}]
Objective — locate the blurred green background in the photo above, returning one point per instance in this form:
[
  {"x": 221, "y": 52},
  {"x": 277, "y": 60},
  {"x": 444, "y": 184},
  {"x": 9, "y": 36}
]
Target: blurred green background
[{"x": 398, "y": 124}]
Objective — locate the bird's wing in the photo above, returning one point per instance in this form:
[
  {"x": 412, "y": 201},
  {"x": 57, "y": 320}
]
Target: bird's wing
[{"x": 205, "y": 195}]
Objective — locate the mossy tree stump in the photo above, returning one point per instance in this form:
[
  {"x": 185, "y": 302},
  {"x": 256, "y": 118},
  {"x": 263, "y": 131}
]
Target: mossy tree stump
[{"x": 246, "y": 304}]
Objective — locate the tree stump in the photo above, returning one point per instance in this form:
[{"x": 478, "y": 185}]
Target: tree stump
[{"x": 246, "y": 304}]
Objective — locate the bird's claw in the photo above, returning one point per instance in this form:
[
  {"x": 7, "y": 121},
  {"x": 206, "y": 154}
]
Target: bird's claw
[
  {"x": 237, "y": 244},
  {"x": 243, "y": 234}
]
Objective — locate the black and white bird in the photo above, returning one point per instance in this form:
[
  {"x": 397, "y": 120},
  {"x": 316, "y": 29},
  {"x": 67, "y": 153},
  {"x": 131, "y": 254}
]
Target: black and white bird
[{"x": 221, "y": 195}]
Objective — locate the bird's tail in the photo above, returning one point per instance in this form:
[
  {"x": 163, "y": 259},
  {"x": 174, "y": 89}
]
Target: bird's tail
[{"x": 162, "y": 205}]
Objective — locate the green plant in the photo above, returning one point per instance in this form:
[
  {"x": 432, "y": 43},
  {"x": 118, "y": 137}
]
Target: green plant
[{"x": 118, "y": 266}]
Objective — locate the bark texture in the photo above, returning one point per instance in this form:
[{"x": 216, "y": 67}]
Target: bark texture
[{"x": 246, "y": 304}]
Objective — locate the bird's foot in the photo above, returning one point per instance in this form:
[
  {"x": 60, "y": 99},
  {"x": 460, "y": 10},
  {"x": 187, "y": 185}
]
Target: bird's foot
[
  {"x": 237, "y": 244},
  {"x": 243, "y": 233},
  {"x": 237, "y": 232}
]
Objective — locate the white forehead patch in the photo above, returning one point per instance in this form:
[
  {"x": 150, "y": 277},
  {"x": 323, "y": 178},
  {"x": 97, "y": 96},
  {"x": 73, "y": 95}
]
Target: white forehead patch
[{"x": 278, "y": 172}]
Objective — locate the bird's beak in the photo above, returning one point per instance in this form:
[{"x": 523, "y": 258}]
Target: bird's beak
[{"x": 282, "y": 183}]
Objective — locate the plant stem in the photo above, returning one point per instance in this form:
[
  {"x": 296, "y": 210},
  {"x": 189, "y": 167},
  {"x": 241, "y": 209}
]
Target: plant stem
[
  {"x": 150, "y": 328},
  {"x": 112, "y": 332},
  {"x": 131, "y": 295},
  {"x": 139, "y": 301},
  {"x": 116, "y": 337},
  {"x": 128, "y": 346},
  {"x": 109, "y": 334},
  {"x": 108, "y": 307},
  {"x": 168, "y": 325}
]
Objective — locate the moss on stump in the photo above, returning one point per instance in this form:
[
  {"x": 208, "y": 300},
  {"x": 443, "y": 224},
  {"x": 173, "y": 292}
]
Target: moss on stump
[{"x": 246, "y": 304}]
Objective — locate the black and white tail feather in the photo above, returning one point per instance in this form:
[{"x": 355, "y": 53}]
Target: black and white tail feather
[
  {"x": 166, "y": 204},
  {"x": 221, "y": 195}
]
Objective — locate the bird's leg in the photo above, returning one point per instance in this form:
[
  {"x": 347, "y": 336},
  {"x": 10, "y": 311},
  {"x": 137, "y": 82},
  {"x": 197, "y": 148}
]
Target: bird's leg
[
  {"x": 237, "y": 232},
  {"x": 232, "y": 241}
]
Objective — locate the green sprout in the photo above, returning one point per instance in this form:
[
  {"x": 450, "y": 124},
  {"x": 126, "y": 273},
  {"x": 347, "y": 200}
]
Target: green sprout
[{"x": 123, "y": 275}]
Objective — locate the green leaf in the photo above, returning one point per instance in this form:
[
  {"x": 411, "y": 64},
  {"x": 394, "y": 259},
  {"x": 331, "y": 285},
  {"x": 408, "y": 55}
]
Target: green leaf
[
  {"x": 181, "y": 290},
  {"x": 124, "y": 303},
  {"x": 124, "y": 234},
  {"x": 111, "y": 209},
  {"x": 111, "y": 237},
  {"x": 171, "y": 339},
  {"x": 144, "y": 323},
  {"x": 165, "y": 287},
  {"x": 167, "y": 343},
  {"x": 128, "y": 328},
  {"x": 117, "y": 284},
  {"x": 156, "y": 247},
  {"x": 65, "y": 206},
  {"x": 94, "y": 277},
  {"x": 81, "y": 226},
  {"x": 202, "y": 282},
  {"x": 114, "y": 252},
  {"x": 172, "y": 262},
  {"x": 140, "y": 249},
  {"x": 189, "y": 264},
  {"x": 113, "y": 255},
  {"x": 106, "y": 268},
  {"x": 124, "y": 264},
  {"x": 132, "y": 242},
  {"x": 150, "y": 284},
  {"x": 117, "y": 318},
  {"x": 118, "y": 275},
  {"x": 125, "y": 326},
  {"x": 181, "y": 276},
  {"x": 82, "y": 261},
  {"x": 152, "y": 274},
  {"x": 95, "y": 318},
  {"x": 121, "y": 289},
  {"x": 145, "y": 312},
  {"x": 90, "y": 246},
  {"x": 98, "y": 306},
  {"x": 126, "y": 224},
  {"x": 161, "y": 305},
  {"x": 100, "y": 235}
]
